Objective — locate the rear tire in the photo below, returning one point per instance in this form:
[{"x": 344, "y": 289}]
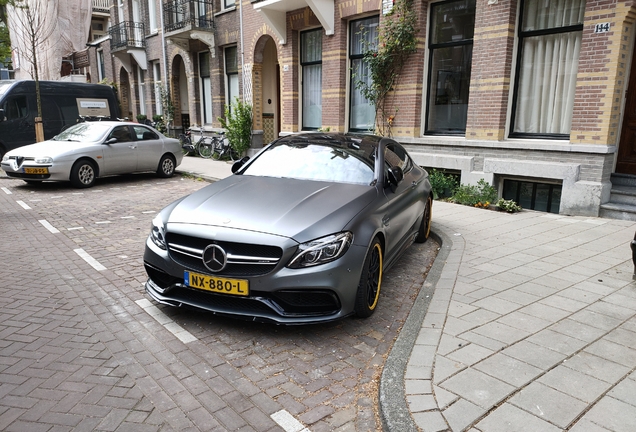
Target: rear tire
[
  {"x": 206, "y": 149},
  {"x": 368, "y": 292},
  {"x": 425, "y": 227},
  {"x": 166, "y": 167},
  {"x": 83, "y": 174}
]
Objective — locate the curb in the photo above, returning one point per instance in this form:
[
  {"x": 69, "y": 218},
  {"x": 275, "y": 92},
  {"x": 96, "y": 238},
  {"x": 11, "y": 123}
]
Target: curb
[{"x": 394, "y": 410}]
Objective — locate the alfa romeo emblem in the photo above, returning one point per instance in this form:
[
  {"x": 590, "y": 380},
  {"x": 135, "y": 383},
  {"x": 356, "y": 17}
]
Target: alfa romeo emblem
[{"x": 214, "y": 258}]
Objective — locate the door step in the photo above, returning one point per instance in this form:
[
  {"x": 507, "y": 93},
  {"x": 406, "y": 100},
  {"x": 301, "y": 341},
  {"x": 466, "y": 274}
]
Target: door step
[{"x": 622, "y": 203}]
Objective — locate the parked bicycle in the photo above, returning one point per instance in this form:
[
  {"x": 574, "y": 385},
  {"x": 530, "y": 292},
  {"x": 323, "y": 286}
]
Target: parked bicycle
[
  {"x": 203, "y": 147},
  {"x": 223, "y": 148}
]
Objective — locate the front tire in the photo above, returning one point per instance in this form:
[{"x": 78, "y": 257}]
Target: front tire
[
  {"x": 205, "y": 150},
  {"x": 83, "y": 174},
  {"x": 425, "y": 227},
  {"x": 370, "y": 281},
  {"x": 166, "y": 167}
]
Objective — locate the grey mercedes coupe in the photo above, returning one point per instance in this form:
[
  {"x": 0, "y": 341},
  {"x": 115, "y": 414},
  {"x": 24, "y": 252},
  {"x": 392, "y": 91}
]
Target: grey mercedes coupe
[{"x": 301, "y": 233}]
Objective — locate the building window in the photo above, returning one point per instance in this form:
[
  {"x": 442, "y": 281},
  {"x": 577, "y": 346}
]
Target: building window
[
  {"x": 156, "y": 76},
  {"x": 311, "y": 66},
  {"x": 544, "y": 197},
  {"x": 231, "y": 75},
  {"x": 229, "y": 4},
  {"x": 206, "y": 88},
  {"x": 362, "y": 38},
  {"x": 101, "y": 72},
  {"x": 550, "y": 40},
  {"x": 451, "y": 53},
  {"x": 152, "y": 16},
  {"x": 142, "y": 88}
]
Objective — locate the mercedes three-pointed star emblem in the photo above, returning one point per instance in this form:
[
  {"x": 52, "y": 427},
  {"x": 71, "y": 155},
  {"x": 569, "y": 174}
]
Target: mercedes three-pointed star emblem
[{"x": 214, "y": 258}]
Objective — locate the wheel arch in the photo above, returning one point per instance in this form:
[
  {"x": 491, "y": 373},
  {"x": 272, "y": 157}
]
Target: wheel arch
[{"x": 89, "y": 159}]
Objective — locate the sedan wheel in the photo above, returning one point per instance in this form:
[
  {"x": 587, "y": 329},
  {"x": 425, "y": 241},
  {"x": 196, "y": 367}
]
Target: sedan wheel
[
  {"x": 83, "y": 174},
  {"x": 166, "y": 166},
  {"x": 425, "y": 227},
  {"x": 369, "y": 287}
]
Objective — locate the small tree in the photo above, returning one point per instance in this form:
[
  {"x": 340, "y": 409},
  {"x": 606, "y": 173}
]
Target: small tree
[
  {"x": 385, "y": 59},
  {"x": 238, "y": 123}
]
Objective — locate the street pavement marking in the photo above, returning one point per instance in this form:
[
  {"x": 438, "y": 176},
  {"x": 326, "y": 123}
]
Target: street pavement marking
[
  {"x": 48, "y": 226},
  {"x": 89, "y": 259},
  {"x": 77, "y": 193},
  {"x": 127, "y": 217},
  {"x": 103, "y": 222},
  {"x": 35, "y": 200},
  {"x": 57, "y": 196},
  {"x": 288, "y": 422},
  {"x": 75, "y": 228},
  {"x": 595, "y": 221},
  {"x": 174, "y": 328},
  {"x": 24, "y": 205},
  {"x": 149, "y": 211},
  {"x": 7, "y": 191}
]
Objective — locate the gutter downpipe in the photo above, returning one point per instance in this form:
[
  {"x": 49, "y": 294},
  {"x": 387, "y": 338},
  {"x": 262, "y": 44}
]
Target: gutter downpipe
[
  {"x": 242, "y": 52},
  {"x": 163, "y": 51}
]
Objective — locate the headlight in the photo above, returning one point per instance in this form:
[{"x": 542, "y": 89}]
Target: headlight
[
  {"x": 321, "y": 251},
  {"x": 158, "y": 233},
  {"x": 44, "y": 160},
  {"x": 5, "y": 158}
]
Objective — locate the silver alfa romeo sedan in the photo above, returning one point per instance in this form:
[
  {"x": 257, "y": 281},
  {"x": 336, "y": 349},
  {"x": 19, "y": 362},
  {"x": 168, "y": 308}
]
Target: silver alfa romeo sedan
[
  {"x": 301, "y": 233},
  {"x": 88, "y": 150}
]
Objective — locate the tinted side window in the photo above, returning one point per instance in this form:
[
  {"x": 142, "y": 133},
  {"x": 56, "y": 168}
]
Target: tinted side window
[
  {"x": 16, "y": 108},
  {"x": 143, "y": 133},
  {"x": 122, "y": 133},
  {"x": 68, "y": 108}
]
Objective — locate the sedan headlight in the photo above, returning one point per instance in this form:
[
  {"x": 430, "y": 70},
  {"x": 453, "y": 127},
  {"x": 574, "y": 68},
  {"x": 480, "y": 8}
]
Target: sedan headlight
[
  {"x": 158, "y": 233},
  {"x": 321, "y": 251},
  {"x": 44, "y": 160},
  {"x": 5, "y": 158}
]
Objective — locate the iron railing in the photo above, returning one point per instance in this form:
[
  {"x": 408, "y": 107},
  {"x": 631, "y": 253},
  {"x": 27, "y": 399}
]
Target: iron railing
[
  {"x": 182, "y": 14},
  {"x": 127, "y": 34}
]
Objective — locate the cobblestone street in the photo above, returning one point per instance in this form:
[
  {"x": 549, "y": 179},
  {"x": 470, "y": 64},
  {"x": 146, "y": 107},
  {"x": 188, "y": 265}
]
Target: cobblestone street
[{"x": 82, "y": 347}]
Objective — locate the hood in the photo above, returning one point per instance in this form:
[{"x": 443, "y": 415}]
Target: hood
[
  {"x": 297, "y": 209},
  {"x": 50, "y": 148}
]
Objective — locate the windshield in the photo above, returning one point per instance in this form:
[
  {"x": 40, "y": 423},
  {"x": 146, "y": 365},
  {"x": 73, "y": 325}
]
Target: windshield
[
  {"x": 87, "y": 131},
  {"x": 313, "y": 162},
  {"x": 4, "y": 86}
]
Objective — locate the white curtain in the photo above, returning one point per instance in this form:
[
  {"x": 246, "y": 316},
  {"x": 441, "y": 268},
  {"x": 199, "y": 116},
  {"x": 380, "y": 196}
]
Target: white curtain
[
  {"x": 549, "y": 66},
  {"x": 312, "y": 96}
]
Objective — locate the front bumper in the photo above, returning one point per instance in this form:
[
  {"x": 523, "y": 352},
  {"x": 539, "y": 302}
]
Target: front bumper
[{"x": 316, "y": 294}]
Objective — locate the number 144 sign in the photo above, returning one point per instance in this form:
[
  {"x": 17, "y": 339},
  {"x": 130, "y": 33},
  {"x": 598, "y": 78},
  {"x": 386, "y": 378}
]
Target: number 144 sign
[{"x": 602, "y": 28}]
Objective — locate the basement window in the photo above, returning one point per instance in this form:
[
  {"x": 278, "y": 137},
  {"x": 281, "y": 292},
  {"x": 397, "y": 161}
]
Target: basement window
[{"x": 544, "y": 197}]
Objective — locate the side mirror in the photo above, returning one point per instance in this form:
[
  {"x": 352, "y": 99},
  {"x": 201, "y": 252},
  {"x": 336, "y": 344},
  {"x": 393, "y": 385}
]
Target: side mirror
[
  {"x": 2, "y": 117},
  {"x": 239, "y": 163},
  {"x": 111, "y": 140},
  {"x": 395, "y": 175}
]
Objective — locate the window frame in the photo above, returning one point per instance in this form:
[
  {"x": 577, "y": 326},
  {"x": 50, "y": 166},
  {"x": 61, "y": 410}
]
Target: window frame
[
  {"x": 228, "y": 75},
  {"x": 304, "y": 64},
  {"x": 352, "y": 85},
  {"x": 206, "y": 98},
  {"x": 521, "y": 34}
]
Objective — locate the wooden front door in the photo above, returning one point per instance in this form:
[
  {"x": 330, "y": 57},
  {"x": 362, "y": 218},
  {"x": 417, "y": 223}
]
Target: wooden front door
[{"x": 626, "y": 163}]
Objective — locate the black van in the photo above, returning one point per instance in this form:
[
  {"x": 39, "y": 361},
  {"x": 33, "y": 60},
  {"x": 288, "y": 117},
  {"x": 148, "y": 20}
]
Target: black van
[{"x": 62, "y": 104}]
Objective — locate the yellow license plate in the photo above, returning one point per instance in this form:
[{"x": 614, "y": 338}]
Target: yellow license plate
[
  {"x": 215, "y": 284},
  {"x": 36, "y": 170}
]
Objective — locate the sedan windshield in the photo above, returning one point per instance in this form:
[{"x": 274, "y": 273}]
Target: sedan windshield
[
  {"x": 313, "y": 162},
  {"x": 85, "y": 132}
]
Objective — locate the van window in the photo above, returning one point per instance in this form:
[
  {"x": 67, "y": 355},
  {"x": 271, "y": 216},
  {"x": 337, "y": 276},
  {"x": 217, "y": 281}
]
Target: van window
[
  {"x": 16, "y": 108},
  {"x": 68, "y": 108}
]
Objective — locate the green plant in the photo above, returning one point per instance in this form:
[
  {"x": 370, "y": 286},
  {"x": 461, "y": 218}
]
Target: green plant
[
  {"x": 385, "y": 59},
  {"x": 480, "y": 195},
  {"x": 159, "y": 124},
  {"x": 238, "y": 123},
  {"x": 166, "y": 105},
  {"x": 442, "y": 183},
  {"x": 141, "y": 118},
  {"x": 508, "y": 205}
]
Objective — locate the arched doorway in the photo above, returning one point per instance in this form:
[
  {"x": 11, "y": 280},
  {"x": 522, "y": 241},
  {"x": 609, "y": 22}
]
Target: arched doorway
[
  {"x": 180, "y": 98},
  {"x": 267, "y": 112},
  {"x": 124, "y": 94}
]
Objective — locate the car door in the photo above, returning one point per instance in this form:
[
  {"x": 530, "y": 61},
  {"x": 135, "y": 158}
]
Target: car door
[
  {"x": 18, "y": 128},
  {"x": 404, "y": 206},
  {"x": 120, "y": 156},
  {"x": 149, "y": 148}
]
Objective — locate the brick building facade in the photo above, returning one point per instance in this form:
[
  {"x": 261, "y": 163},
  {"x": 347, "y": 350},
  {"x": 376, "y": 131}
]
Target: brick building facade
[{"x": 531, "y": 96}]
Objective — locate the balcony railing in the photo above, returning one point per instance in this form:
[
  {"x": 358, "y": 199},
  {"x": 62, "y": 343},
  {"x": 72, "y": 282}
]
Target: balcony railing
[
  {"x": 188, "y": 14},
  {"x": 101, "y": 6},
  {"x": 127, "y": 34}
]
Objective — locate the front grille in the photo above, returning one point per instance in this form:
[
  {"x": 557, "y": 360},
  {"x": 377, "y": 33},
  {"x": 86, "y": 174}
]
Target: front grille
[
  {"x": 307, "y": 301},
  {"x": 244, "y": 259}
]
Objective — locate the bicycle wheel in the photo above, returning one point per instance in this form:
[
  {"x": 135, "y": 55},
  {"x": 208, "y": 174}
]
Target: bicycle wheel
[
  {"x": 205, "y": 149},
  {"x": 218, "y": 150},
  {"x": 186, "y": 145}
]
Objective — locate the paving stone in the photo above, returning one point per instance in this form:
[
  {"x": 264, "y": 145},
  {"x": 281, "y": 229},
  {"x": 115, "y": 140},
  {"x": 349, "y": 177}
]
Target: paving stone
[
  {"x": 574, "y": 383},
  {"x": 470, "y": 354},
  {"x": 557, "y": 341},
  {"x": 508, "y": 369},
  {"x": 477, "y": 387},
  {"x": 613, "y": 414},
  {"x": 533, "y": 354},
  {"x": 431, "y": 421},
  {"x": 462, "y": 414},
  {"x": 612, "y": 351},
  {"x": 508, "y": 418},
  {"x": 549, "y": 404},
  {"x": 596, "y": 367},
  {"x": 625, "y": 391}
]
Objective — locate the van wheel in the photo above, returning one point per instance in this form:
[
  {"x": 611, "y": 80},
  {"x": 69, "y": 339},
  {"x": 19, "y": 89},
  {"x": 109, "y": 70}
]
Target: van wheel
[
  {"x": 83, "y": 174},
  {"x": 166, "y": 166}
]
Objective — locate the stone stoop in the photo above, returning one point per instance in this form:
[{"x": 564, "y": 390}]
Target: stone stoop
[{"x": 622, "y": 203}]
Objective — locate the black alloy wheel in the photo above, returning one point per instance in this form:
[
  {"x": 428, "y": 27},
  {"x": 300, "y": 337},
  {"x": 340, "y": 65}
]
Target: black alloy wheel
[{"x": 370, "y": 282}]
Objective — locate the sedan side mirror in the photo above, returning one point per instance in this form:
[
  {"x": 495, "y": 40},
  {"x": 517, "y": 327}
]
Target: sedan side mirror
[
  {"x": 395, "y": 175},
  {"x": 239, "y": 163},
  {"x": 111, "y": 140}
]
